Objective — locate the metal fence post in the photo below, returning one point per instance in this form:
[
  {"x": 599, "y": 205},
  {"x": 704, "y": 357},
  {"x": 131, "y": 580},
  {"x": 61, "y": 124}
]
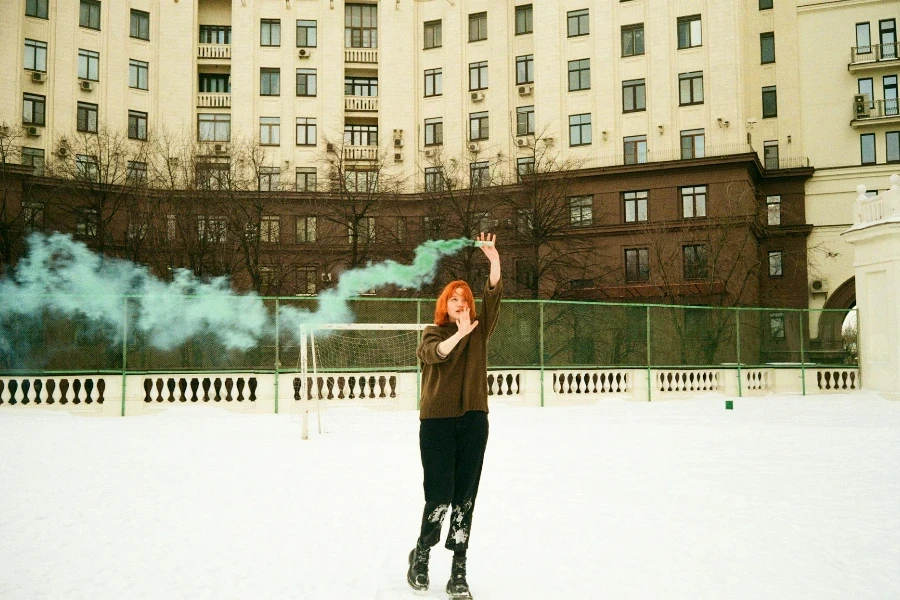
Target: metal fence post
[
  {"x": 738, "y": 336},
  {"x": 541, "y": 347},
  {"x": 649, "y": 375},
  {"x": 124, "y": 349},
  {"x": 277, "y": 354},
  {"x": 418, "y": 365},
  {"x": 803, "y": 315}
]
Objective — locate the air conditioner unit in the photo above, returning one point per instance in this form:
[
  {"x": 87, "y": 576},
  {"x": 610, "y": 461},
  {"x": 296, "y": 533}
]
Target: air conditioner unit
[
  {"x": 33, "y": 131},
  {"x": 477, "y": 96},
  {"x": 431, "y": 152},
  {"x": 219, "y": 149},
  {"x": 861, "y": 106},
  {"x": 326, "y": 277},
  {"x": 86, "y": 85},
  {"x": 521, "y": 142},
  {"x": 525, "y": 90},
  {"x": 473, "y": 146},
  {"x": 398, "y": 142},
  {"x": 818, "y": 286},
  {"x": 329, "y": 147},
  {"x": 398, "y": 157},
  {"x": 38, "y": 77},
  {"x": 62, "y": 151},
  {"x": 304, "y": 53}
]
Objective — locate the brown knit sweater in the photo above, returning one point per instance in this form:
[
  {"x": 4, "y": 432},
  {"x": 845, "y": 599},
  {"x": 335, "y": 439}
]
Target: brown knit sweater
[{"x": 456, "y": 384}]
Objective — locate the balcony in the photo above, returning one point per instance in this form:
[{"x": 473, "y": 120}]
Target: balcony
[
  {"x": 213, "y": 100},
  {"x": 360, "y": 152},
  {"x": 877, "y": 112},
  {"x": 874, "y": 56},
  {"x": 361, "y": 55},
  {"x": 214, "y": 51},
  {"x": 363, "y": 104}
]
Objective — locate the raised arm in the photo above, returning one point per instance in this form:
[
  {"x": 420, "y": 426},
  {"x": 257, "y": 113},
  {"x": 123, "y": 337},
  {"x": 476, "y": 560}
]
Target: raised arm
[
  {"x": 492, "y": 255},
  {"x": 494, "y": 290}
]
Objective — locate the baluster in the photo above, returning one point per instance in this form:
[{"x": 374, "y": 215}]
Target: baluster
[
  {"x": 76, "y": 388},
  {"x": 382, "y": 385},
  {"x": 240, "y": 389},
  {"x": 63, "y": 390},
  {"x": 217, "y": 387},
  {"x": 844, "y": 378},
  {"x": 252, "y": 383},
  {"x": 38, "y": 385},
  {"x": 340, "y": 388},
  {"x": 13, "y": 386},
  {"x": 2, "y": 387},
  {"x": 182, "y": 390},
  {"x": 372, "y": 393},
  {"x": 205, "y": 384},
  {"x": 170, "y": 385},
  {"x": 26, "y": 387},
  {"x": 853, "y": 380},
  {"x": 819, "y": 380},
  {"x": 51, "y": 387},
  {"x": 195, "y": 385},
  {"x": 159, "y": 389},
  {"x": 490, "y": 381},
  {"x": 229, "y": 383},
  {"x": 88, "y": 390},
  {"x": 297, "y": 384},
  {"x": 392, "y": 382}
]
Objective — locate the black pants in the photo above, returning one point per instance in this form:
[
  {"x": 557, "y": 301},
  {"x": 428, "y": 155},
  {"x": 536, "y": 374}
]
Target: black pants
[{"x": 452, "y": 455}]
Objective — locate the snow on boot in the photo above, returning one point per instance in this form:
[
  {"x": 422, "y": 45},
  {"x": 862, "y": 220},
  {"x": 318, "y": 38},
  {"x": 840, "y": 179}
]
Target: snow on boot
[
  {"x": 457, "y": 587},
  {"x": 417, "y": 576}
]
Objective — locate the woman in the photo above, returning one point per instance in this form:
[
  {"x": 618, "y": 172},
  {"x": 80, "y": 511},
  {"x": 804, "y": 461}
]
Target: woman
[{"x": 453, "y": 428}]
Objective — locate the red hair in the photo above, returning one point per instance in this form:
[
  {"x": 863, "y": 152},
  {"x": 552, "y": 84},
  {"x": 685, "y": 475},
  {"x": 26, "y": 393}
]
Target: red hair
[{"x": 440, "y": 311}]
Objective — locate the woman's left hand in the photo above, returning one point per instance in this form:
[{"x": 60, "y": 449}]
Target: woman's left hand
[{"x": 489, "y": 251}]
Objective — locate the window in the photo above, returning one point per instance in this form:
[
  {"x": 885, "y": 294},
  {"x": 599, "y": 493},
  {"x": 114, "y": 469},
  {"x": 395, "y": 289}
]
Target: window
[
  {"x": 635, "y": 149},
  {"x": 137, "y": 125},
  {"x": 693, "y": 144},
  {"x": 34, "y": 109},
  {"x": 689, "y": 32},
  {"x": 306, "y": 230},
  {"x": 361, "y": 135},
  {"x": 765, "y": 4},
  {"x": 306, "y": 82},
  {"x": 434, "y": 179},
  {"x": 270, "y": 131},
  {"x": 364, "y": 230},
  {"x": 87, "y": 221},
  {"x": 526, "y": 274},
  {"x": 867, "y": 148},
  {"x": 211, "y": 83},
  {"x": 306, "y": 34},
  {"x": 525, "y": 120},
  {"x": 305, "y": 180},
  {"x": 35, "y": 55},
  {"x": 402, "y": 229},
  {"x": 306, "y": 131},
  {"x": 578, "y": 22},
  {"x": 769, "y": 102},
  {"x": 215, "y": 34},
  {"x": 524, "y": 221},
  {"x": 89, "y": 15},
  {"x": 525, "y": 69},
  {"x": 690, "y": 88},
  {"x": 433, "y": 83},
  {"x": 767, "y": 47},
  {"x": 434, "y": 131},
  {"x": 136, "y": 172},
  {"x": 306, "y": 281},
  {"x": 773, "y": 210},
  {"x": 361, "y": 86},
  {"x": 524, "y": 167},
  {"x": 432, "y": 226},
  {"x": 524, "y": 19},
  {"x": 866, "y": 88},
  {"x": 270, "y": 225},
  {"x": 479, "y": 174},
  {"x": 889, "y": 84},
  {"x": 269, "y": 181},
  {"x": 892, "y": 146},
  {"x": 270, "y": 82},
  {"x": 88, "y": 65},
  {"x": 478, "y": 27},
  {"x": 360, "y": 26},
  {"x": 579, "y": 74},
  {"x": 863, "y": 38},
  {"x": 86, "y": 167},
  {"x": 212, "y": 229},
  {"x": 171, "y": 227},
  {"x": 87, "y": 117},
  {"x": 776, "y": 263},
  {"x": 581, "y": 211},
  {"x": 770, "y": 154},
  {"x": 637, "y": 264},
  {"x": 33, "y": 157},
  {"x": 213, "y": 127},
  {"x": 478, "y": 126},
  {"x": 887, "y": 32},
  {"x": 579, "y": 130},
  {"x": 33, "y": 215},
  {"x": 138, "y": 74},
  {"x": 695, "y": 261},
  {"x": 36, "y": 8},
  {"x": 433, "y": 34},
  {"x": 693, "y": 201},
  {"x": 270, "y": 32},
  {"x": 213, "y": 175},
  {"x": 140, "y": 24},
  {"x": 633, "y": 39},
  {"x": 361, "y": 180},
  {"x": 776, "y": 326},
  {"x": 634, "y": 95},
  {"x": 478, "y": 76},
  {"x": 635, "y": 206}
]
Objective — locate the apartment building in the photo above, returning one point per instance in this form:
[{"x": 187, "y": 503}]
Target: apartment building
[{"x": 671, "y": 118}]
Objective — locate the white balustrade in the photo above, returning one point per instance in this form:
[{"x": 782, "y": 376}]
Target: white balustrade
[
  {"x": 361, "y": 103},
  {"x": 361, "y": 55},
  {"x": 214, "y": 51},
  {"x": 878, "y": 208},
  {"x": 687, "y": 380},
  {"x": 837, "y": 380},
  {"x": 213, "y": 100},
  {"x": 592, "y": 381},
  {"x": 360, "y": 152}
]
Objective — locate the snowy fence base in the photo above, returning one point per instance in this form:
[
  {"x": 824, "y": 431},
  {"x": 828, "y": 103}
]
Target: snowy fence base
[{"x": 267, "y": 393}]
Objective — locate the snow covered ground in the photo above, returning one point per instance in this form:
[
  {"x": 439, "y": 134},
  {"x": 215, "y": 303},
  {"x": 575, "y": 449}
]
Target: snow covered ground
[{"x": 783, "y": 497}]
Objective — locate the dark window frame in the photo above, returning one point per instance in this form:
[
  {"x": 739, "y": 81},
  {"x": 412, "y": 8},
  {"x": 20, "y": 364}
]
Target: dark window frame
[
  {"x": 269, "y": 81},
  {"x": 39, "y": 9},
  {"x": 305, "y": 27},
  {"x": 524, "y": 19},
  {"x": 695, "y": 261},
  {"x": 524, "y": 69},
  {"x": 630, "y": 33},
  {"x": 478, "y": 26},
  {"x": 38, "y": 117},
  {"x": 434, "y": 79},
  {"x": 693, "y": 89},
  {"x": 139, "y": 28},
  {"x": 581, "y": 20},
  {"x": 697, "y": 195},
  {"x": 434, "y": 131},
  {"x": 581, "y": 69},
  {"x": 633, "y": 202},
  {"x": 767, "y": 48},
  {"x": 863, "y": 138},
  {"x": 525, "y": 120},
  {"x": 637, "y": 265},
  {"x": 685, "y": 32},
  {"x": 89, "y": 12},
  {"x": 137, "y": 118},
  {"x": 634, "y": 91},
  {"x": 83, "y": 113},
  {"x": 272, "y": 25},
  {"x": 479, "y": 121},
  {"x": 433, "y": 32},
  {"x": 478, "y": 75},
  {"x": 770, "y": 94},
  {"x": 581, "y": 127}
]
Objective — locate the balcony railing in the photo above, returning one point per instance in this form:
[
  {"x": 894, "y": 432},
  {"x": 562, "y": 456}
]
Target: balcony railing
[
  {"x": 214, "y": 51},
  {"x": 874, "y": 53},
  {"x": 360, "y": 152},
  {"x": 361, "y": 55},
  {"x": 876, "y": 109},
  {"x": 361, "y": 103},
  {"x": 213, "y": 100},
  {"x": 884, "y": 206}
]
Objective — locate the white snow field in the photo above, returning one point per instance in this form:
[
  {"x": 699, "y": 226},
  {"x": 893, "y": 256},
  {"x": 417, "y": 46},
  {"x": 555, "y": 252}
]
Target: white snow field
[{"x": 783, "y": 497}]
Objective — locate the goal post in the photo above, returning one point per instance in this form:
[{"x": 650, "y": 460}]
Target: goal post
[{"x": 355, "y": 364}]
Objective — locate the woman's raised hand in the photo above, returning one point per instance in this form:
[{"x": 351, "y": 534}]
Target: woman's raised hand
[
  {"x": 464, "y": 324},
  {"x": 489, "y": 251}
]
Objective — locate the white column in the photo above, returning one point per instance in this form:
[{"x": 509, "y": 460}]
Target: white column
[{"x": 875, "y": 236}]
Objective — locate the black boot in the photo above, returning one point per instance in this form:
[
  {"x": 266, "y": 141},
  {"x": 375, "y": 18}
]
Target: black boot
[
  {"x": 457, "y": 587},
  {"x": 417, "y": 576}
]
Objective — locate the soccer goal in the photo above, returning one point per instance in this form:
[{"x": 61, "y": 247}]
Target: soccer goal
[{"x": 352, "y": 365}]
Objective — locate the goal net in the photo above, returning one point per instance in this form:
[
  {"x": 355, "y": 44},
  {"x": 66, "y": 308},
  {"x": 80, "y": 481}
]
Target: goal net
[{"x": 347, "y": 366}]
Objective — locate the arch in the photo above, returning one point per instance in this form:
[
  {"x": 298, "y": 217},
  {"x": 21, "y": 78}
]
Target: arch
[{"x": 830, "y": 323}]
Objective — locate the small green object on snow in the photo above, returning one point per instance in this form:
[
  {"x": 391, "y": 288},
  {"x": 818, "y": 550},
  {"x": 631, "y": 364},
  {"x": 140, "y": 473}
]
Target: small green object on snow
[{"x": 729, "y": 404}]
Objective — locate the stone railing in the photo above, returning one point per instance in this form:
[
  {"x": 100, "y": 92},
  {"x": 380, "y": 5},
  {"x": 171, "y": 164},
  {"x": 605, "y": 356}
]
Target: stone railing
[
  {"x": 213, "y": 100},
  {"x": 361, "y": 55},
  {"x": 878, "y": 208},
  {"x": 214, "y": 51},
  {"x": 360, "y": 152},
  {"x": 361, "y": 103}
]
